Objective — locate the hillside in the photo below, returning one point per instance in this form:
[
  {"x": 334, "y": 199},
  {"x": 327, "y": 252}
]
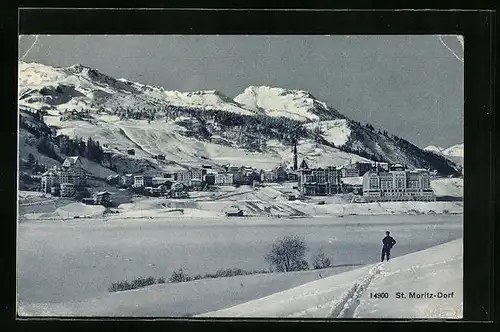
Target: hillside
[
  {"x": 454, "y": 153},
  {"x": 39, "y": 150},
  {"x": 340, "y": 292},
  {"x": 347, "y": 295},
  {"x": 256, "y": 128},
  {"x": 294, "y": 104}
]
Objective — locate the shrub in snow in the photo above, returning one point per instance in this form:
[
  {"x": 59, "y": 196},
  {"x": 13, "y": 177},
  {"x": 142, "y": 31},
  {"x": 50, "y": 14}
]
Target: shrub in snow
[
  {"x": 136, "y": 283},
  {"x": 228, "y": 273},
  {"x": 287, "y": 254},
  {"x": 320, "y": 260},
  {"x": 160, "y": 280},
  {"x": 179, "y": 276},
  {"x": 300, "y": 265}
]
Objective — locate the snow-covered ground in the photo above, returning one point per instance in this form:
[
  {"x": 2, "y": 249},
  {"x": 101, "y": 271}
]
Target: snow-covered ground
[
  {"x": 23, "y": 195},
  {"x": 437, "y": 273},
  {"x": 68, "y": 212},
  {"x": 268, "y": 201},
  {"x": 274, "y": 101},
  {"x": 455, "y": 151},
  {"x": 156, "y": 137},
  {"x": 180, "y": 299},
  {"x": 334, "y": 131},
  {"x": 448, "y": 187},
  {"x": 78, "y": 259},
  {"x": 354, "y": 180}
]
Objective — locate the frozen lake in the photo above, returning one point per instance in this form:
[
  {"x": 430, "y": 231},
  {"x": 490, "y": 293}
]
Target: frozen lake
[{"x": 75, "y": 260}]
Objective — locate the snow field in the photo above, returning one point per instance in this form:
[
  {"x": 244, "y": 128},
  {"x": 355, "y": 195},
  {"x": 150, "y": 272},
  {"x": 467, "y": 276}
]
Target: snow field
[
  {"x": 448, "y": 187},
  {"x": 294, "y": 104},
  {"x": 181, "y": 299},
  {"x": 69, "y": 211},
  {"x": 334, "y": 131},
  {"x": 437, "y": 269}
]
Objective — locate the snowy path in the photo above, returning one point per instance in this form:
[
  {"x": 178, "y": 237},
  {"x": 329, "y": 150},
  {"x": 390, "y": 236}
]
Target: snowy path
[
  {"x": 128, "y": 137},
  {"x": 346, "y": 307}
]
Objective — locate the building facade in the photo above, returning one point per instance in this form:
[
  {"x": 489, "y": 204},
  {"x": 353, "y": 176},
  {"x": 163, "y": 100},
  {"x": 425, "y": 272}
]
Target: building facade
[
  {"x": 320, "y": 181},
  {"x": 178, "y": 190},
  {"x": 127, "y": 180},
  {"x": 102, "y": 198},
  {"x": 183, "y": 177},
  {"x": 70, "y": 172},
  {"x": 67, "y": 190},
  {"x": 209, "y": 178},
  {"x": 186, "y": 176},
  {"x": 397, "y": 184},
  {"x": 73, "y": 167},
  {"x": 224, "y": 179},
  {"x": 143, "y": 181},
  {"x": 156, "y": 181},
  {"x": 359, "y": 168},
  {"x": 49, "y": 180},
  {"x": 268, "y": 175},
  {"x": 348, "y": 171},
  {"x": 280, "y": 174}
]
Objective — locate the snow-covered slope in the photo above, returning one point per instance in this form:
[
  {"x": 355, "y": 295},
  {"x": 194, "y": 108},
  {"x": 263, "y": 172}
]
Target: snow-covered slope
[
  {"x": 178, "y": 299},
  {"x": 295, "y": 104},
  {"x": 28, "y": 145},
  {"x": 158, "y": 137},
  {"x": 437, "y": 271},
  {"x": 433, "y": 148},
  {"x": 337, "y": 131},
  {"x": 79, "y": 86},
  {"x": 454, "y": 153},
  {"x": 215, "y": 126},
  {"x": 448, "y": 187}
]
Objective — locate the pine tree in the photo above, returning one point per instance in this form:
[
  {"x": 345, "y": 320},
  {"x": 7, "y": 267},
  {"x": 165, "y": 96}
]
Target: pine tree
[
  {"x": 89, "y": 149},
  {"x": 31, "y": 160}
]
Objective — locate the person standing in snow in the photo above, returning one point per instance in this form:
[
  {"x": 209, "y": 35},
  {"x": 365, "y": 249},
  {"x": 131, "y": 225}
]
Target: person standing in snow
[{"x": 388, "y": 242}]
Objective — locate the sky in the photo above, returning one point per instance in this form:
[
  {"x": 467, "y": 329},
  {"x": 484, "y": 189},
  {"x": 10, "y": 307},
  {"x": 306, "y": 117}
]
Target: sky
[{"x": 411, "y": 86}]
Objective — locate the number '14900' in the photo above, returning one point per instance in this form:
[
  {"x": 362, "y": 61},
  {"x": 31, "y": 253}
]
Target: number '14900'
[{"x": 380, "y": 295}]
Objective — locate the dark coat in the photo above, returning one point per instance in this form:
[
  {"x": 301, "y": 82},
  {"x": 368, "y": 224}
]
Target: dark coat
[{"x": 388, "y": 242}]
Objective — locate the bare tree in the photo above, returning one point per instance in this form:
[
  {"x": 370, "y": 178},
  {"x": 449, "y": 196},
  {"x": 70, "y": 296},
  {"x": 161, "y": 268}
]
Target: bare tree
[
  {"x": 320, "y": 260},
  {"x": 287, "y": 254}
]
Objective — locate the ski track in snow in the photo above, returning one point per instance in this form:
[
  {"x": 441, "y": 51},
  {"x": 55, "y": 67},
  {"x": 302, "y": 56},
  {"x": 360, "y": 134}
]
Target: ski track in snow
[
  {"x": 346, "y": 306},
  {"x": 127, "y": 136}
]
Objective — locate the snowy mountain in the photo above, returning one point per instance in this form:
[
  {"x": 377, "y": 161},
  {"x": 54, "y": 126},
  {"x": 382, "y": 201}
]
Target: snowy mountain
[
  {"x": 435, "y": 149},
  {"x": 255, "y": 128},
  {"x": 79, "y": 86},
  {"x": 294, "y": 104},
  {"x": 454, "y": 153},
  {"x": 347, "y": 295}
]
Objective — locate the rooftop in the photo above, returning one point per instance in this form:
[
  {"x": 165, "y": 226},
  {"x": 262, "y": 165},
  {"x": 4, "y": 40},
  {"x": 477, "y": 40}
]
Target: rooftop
[
  {"x": 72, "y": 160},
  {"x": 103, "y": 193}
]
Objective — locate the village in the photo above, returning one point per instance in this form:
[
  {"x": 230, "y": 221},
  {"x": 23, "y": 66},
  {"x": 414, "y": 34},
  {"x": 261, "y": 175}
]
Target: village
[{"x": 367, "y": 181}]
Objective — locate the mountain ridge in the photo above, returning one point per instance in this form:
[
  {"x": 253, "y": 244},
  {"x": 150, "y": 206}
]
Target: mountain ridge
[{"x": 68, "y": 96}]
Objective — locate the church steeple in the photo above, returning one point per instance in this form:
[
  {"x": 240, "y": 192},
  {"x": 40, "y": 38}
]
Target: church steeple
[
  {"x": 295, "y": 155},
  {"x": 303, "y": 164}
]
